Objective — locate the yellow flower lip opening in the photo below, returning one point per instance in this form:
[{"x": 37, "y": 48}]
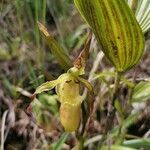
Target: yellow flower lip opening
[{"x": 68, "y": 91}]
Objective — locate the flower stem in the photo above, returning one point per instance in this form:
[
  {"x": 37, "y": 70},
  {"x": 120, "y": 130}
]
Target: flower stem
[
  {"x": 81, "y": 143},
  {"x": 111, "y": 107},
  {"x": 116, "y": 87}
]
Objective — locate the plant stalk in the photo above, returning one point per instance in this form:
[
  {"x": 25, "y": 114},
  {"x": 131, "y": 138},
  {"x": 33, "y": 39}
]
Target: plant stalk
[
  {"x": 111, "y": 107},
  {"x": 116, "y": 87},
  {"x": 81, "y": 143}
]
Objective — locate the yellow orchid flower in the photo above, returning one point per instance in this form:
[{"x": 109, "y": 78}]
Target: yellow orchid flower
[{"x": 68, "y": 90}]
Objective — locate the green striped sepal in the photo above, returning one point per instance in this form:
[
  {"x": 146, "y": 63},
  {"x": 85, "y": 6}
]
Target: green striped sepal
[{"x": 116, "y": 29}]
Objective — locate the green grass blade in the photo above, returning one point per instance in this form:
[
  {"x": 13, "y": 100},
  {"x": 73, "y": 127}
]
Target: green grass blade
[
  {"x": 129, "y": 120},
  {"x": 138, "y": 143},
  {"x": 60, "y": 142}
]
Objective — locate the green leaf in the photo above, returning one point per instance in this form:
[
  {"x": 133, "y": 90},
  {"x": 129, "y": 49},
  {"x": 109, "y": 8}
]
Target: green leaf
[
  {"x": 112, "y": 74},
  {"x": 56, "y": 49},
  {"x": 9, "y": 87},
  {"x": 104, "y": 74},
  {"x": 4, "y": 54},
  {"x": 116, "y": 29},
  {"x": 119, "y": 109},
  {"x": 116, "y": 147},
  {"x": 141, "y": 92},
  {"x": 40, "y": 109},
  {"x": 138, "y": 143},
  {"x": 132, "y": 118},
  {"x": 142, "y": 13},
  {"x": 60, "y": 142},
  {"x": 49, "y": 102}
]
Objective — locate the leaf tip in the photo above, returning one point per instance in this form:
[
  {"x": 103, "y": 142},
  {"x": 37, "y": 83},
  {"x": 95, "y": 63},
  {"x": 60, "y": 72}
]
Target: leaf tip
[{"x": 43, "y": 29}]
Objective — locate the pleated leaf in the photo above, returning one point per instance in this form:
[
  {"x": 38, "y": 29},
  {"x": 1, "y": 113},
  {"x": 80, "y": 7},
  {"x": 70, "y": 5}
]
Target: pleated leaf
[
  {"x": 116, "y": 29},
  {"x": 56, "y": 49},
  {"x": 141, "y": 92},
  {"x": 141, "y": 8},
  {"x": 138, "y": 143}
]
